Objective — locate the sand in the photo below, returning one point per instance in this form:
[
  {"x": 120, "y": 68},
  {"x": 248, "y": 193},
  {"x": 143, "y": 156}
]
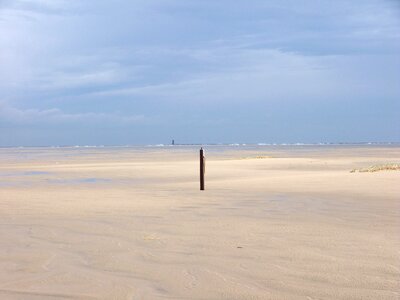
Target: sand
[{"x": 130, "y": 223}]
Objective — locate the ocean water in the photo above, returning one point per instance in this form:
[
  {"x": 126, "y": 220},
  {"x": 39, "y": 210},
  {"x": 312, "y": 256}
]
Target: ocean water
[{"x": 59, "y": 154}]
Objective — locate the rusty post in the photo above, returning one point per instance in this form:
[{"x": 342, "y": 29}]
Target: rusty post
[{"x": 202, "y": 169}]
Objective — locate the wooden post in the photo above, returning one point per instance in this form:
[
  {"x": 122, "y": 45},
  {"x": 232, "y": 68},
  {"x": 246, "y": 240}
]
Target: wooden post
[{"x": 202, "y": 169}]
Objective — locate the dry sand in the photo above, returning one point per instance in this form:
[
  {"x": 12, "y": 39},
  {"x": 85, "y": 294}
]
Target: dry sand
[{"x": 130, "y": 223}]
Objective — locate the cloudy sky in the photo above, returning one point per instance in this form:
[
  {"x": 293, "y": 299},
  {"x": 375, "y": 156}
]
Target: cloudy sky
[{"x": 123, "y": 72}]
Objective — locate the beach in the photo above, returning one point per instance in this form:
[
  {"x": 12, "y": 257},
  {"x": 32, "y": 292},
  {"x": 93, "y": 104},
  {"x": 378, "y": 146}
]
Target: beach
[{"x": 274, "y": 222}]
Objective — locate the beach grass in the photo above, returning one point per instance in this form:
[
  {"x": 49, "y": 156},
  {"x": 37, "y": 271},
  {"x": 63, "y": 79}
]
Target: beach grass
[{"x": 377, "y": 168}]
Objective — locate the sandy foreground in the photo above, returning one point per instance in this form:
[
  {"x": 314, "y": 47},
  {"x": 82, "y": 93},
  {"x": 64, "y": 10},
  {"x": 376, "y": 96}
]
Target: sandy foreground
[{"x": 131, "y": 223}]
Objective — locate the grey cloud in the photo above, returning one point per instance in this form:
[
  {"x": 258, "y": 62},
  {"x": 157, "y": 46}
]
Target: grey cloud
[
  {"x": 12, "y": 115},
  {"x": 30, "y": 8},
  {"x": 271, "y": 75}
]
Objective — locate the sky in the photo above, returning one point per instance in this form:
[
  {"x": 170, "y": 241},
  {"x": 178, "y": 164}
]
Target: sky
[{"x": 128, "y": 72}]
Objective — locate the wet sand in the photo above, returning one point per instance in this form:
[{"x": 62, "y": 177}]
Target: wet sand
[{"x": 130, "y": 223}]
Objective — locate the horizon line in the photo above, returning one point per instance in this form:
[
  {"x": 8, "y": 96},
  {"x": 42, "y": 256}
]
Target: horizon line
[{"x": 204, "y": 144}]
